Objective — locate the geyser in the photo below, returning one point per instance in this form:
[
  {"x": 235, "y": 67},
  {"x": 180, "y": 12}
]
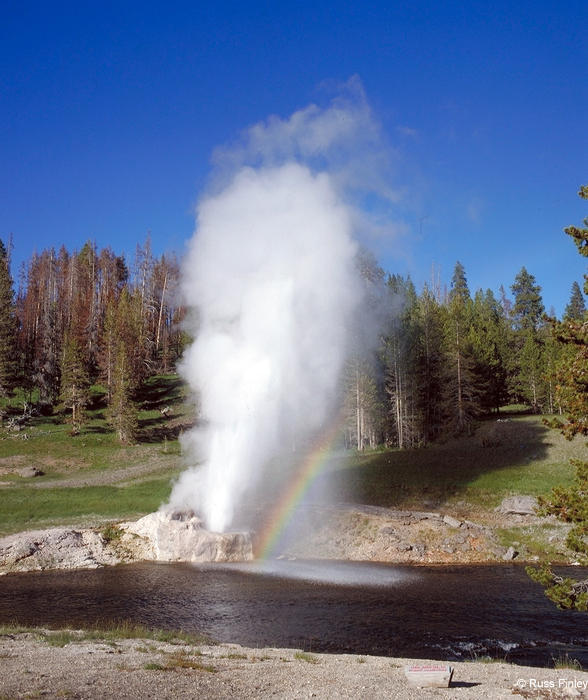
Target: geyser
[{"x": 271, "y": 276}]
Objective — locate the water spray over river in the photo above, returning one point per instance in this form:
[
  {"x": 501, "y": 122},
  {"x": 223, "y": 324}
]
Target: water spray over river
[{"x": 272, "y": 281}]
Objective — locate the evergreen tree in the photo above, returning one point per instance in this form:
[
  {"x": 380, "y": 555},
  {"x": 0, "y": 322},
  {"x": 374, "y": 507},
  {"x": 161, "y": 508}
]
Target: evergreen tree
[
  {"x": 459, "y": 285},
  {"x": 122, "y": 411},
  {"x": 529, "y": 348},
  {"x": 400, "y": 358},
  {"x": 580, "y": 235},
  {"x": 461, "y": 393},
  {"x": 429, "y": 364},
  {"x": 75, "y": 383},
  {"x": 531, "y": 370},
  {"x": 528, "y": 305},
  {"x": 8, "y": 327},
  {"x": 571, "y": 504},
  {"x": 364, "y": 406},
  {"x": 576, "y": 307},
  {"x": 46, "y": 365},
  {"x": 121, "y": 361},
  {"x": 554, "y": 355},
  {"x": 489, "y": 337},
  {"x": 363, "y": 375}
]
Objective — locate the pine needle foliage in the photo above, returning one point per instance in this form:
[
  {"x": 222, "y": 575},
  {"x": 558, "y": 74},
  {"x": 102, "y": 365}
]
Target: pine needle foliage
[{"x": 571, "y": 504}]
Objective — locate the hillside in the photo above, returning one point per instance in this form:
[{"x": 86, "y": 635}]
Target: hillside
[{"x": 89, "y": 480}]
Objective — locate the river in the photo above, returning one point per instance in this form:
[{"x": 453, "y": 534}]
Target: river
[{"x": 449, "y": 613}]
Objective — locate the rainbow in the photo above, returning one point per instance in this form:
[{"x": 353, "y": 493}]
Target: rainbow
[{"x": 302, "y": 477}]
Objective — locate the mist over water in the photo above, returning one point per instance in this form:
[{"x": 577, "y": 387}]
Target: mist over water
[{"x": 272, "y": 279}]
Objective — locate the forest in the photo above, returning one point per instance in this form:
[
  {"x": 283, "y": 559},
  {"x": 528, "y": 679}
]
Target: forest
[
  {"x": 450, "y": 356},
  {"x": 82, "y": 318},
  {"x": 443, "y": 358}
]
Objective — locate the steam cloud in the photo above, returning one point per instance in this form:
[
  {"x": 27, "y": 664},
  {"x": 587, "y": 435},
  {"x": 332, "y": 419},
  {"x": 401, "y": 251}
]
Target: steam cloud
[{"x": 272, "y": 278}]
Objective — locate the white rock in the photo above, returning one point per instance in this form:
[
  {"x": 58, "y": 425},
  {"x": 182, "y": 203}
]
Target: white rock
[
  {"x": 175, "y": 536},
  {"x": 452, "y": 522},
  {"x": 518, "y": 505}
]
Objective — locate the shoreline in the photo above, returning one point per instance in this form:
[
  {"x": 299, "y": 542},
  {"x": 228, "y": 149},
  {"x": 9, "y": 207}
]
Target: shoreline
[
  {"x": 345, "y": 532},
  {"x": 39, "y": 662}
]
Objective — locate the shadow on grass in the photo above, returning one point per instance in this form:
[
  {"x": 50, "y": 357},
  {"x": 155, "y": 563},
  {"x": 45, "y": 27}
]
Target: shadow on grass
[
  {"x": 440, "y": 472},
  {"x": 97, "y": 429},
  {"x": 154, "y": 430},
  {"x": 156, "y": 392}
]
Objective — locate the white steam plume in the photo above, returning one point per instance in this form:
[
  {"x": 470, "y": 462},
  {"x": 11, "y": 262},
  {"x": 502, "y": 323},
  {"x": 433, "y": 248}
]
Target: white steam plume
[{"x": 271, "y": 273}]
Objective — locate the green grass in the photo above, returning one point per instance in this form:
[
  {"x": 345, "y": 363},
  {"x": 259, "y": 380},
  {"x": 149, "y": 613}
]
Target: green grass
[
  {"x": 517, "y": 454},
  {"x": 183, "y": 659},
  {"x": 524, "y": 457},
  {"x": 565, "y": 662},
  {"x": 93, "y": 454},
  {"x": 305, "y": 656},
  {"x": 108, "y": 632},
  {"x": 29, "y": 508},
  {"x": 534, "y": 540},
  {"x": 50, "y": 446}
]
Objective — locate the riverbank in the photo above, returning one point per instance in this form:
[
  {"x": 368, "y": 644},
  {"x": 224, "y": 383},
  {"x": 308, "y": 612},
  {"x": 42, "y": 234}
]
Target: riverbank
[
  {"x": 344, "y": 531},
  {"x": 351, "y": 532},
  {"x": 65, "y": 664},
  {"x": 64, "y": 498}
]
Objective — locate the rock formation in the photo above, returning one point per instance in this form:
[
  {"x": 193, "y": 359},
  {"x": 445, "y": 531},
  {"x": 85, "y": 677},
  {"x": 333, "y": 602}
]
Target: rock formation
[
  {"x": 180, "y": 536},
  {"x": 161, "y": 536}
]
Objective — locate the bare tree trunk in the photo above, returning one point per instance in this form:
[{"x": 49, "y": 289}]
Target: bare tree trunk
[
  {"x": 160, "y": 313},
  {"x": 358, "y": 411}
]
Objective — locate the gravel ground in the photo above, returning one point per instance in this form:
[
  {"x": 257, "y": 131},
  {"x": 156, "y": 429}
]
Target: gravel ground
[{"x": 30, "y": 667}]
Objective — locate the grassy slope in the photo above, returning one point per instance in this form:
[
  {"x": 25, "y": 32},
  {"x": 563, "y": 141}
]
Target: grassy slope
[
  {"x": 516, "y": 456},
  {"x": 94, "y": 455}
]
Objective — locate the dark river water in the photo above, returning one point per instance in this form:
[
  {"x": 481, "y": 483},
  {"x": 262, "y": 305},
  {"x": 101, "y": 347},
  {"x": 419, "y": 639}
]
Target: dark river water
[{"x": 447, "y": 613}]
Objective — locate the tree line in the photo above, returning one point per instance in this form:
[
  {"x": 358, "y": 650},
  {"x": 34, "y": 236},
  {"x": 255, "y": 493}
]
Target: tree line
[
  {"x": 445, "y": 357},
  {"x": 85, "y": 317},
  {"x": 449, "y": 357}
]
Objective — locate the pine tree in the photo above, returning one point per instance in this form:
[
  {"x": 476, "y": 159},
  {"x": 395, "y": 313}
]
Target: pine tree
[
  {"x": 121, "y": 361},
  {"x": 400, "y": 356},
  {"x": 46, "y": 366},
  {"x": 529, "y": 347},
  {"x": 461, "y": 393},
  {"x": 75, "y": 383},
  {"x": 429, "y": 364},
  {"x": 554, "y": 355},
  {"x": 531, "y": 369},
  {"x": 571, "y": 504},
  {"x": 576, "y": 307},
  {"x": 459, "y": 285},
  {"x": 122, "y": 411},
  {"x": 8, "y": 327},
  {"x": 528, "y": 305},
  {"x": 489, "y": 336}
]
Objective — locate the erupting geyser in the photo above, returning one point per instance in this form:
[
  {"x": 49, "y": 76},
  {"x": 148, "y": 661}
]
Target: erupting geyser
[
  {"x": 271, "y": 280},
  {"x": 271, "y": 273}
]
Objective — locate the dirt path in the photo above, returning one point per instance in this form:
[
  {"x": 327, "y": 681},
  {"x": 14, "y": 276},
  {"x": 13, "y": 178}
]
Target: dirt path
[
  {"x": 118, "y": 477},
  {"x": 137, "y": 668},
  {"x": 151, "y": 467}
]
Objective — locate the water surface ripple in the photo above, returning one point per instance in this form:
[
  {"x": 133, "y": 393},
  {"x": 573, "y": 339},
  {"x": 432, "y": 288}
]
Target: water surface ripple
[{"x": 451, "y": 613}]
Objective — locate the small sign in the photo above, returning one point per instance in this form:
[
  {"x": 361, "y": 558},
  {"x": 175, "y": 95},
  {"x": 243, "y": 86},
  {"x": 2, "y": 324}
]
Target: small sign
[{"x": 428, "y": 676}]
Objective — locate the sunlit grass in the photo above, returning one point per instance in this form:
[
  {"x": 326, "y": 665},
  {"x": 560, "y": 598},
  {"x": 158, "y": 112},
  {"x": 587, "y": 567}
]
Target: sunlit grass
[
  {"x": 515, "y": 454},
  {"x": 28, "y": 508},
  {"x": 108, "y": 632},
  {"x": 524, "y": 457}
]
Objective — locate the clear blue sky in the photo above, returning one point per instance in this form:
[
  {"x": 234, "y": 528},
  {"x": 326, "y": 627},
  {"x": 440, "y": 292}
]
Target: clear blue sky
[{"x": 109, "y": 113}]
